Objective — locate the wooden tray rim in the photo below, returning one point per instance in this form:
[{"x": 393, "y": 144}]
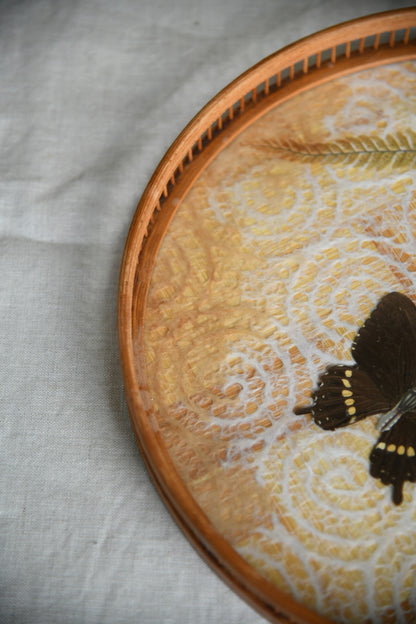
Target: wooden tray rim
[{"x": 356, "y": 44}]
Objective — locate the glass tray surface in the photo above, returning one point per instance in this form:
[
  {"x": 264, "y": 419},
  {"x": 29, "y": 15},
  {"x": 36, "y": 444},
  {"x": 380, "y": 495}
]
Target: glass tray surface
[{"x": 259, "y": 278}]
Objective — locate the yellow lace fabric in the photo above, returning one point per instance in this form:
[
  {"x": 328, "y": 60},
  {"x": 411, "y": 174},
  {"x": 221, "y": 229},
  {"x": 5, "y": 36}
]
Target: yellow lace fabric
[{"x": 277, "y": 255}]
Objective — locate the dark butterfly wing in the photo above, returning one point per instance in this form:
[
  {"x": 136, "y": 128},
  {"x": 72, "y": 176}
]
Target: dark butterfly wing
[
  {"x": 345, "y": 394},
  {"x": 385, "y": 346},
  {"x": 393, "y": 458},
  {"x": 383, "y": 380}
]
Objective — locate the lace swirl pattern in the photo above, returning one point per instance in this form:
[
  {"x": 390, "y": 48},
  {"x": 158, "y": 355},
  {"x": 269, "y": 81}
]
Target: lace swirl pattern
[{"x": 278, "y": 253}]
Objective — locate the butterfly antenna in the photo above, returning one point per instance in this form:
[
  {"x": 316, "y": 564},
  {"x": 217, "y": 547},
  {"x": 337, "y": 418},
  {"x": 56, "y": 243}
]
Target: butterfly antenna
[{"x": 303, "y": 409}]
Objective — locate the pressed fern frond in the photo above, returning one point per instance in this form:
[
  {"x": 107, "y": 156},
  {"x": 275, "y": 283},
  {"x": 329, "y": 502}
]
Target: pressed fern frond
[{"x": 397, "y": 150}]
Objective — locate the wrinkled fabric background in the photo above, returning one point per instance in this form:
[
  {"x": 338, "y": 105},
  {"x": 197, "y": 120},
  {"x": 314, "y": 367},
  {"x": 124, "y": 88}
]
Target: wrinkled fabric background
[{"x": 92, "y": 93}]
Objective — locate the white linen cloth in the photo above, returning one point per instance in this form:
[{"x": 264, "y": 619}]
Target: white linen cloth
[{"x": 92, "y": 94}]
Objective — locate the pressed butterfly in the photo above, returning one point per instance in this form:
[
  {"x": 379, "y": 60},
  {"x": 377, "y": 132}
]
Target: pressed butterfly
[{"x": 382, "y": 381}]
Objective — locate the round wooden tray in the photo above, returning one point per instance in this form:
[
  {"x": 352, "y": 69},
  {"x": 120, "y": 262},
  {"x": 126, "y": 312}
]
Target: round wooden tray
[{"x": 239, "y": 119}]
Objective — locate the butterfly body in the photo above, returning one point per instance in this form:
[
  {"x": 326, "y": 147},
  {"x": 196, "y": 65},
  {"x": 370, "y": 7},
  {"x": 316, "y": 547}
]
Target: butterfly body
[
  {"x": 382, "y": 382},
  {"x": 406, "y": 404}
]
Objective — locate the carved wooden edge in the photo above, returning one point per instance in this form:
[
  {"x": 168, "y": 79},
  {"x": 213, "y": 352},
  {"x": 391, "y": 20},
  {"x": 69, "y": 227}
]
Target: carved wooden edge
[
  {"x": 338, "y": 50},
  {"x": 387, "y": 31}
]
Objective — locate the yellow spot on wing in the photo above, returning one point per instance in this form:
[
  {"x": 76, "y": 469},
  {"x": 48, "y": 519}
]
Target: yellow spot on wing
[
  {"x": 348, "y": 373},
  {"x": 346, "y": 393},
  {"x": 391, "y": 448},
  {"x": 349, "y": 401},
  {"x": 410, "y": 452},
  {"x": 346, "y": 383},
  {"x": 351, "y": 411},
  {"x": 400, "y": 449}
]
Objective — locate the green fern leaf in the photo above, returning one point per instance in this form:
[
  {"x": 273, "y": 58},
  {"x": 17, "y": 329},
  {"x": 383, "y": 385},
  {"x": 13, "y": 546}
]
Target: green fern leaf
[{"x": 396, "y": 151}]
